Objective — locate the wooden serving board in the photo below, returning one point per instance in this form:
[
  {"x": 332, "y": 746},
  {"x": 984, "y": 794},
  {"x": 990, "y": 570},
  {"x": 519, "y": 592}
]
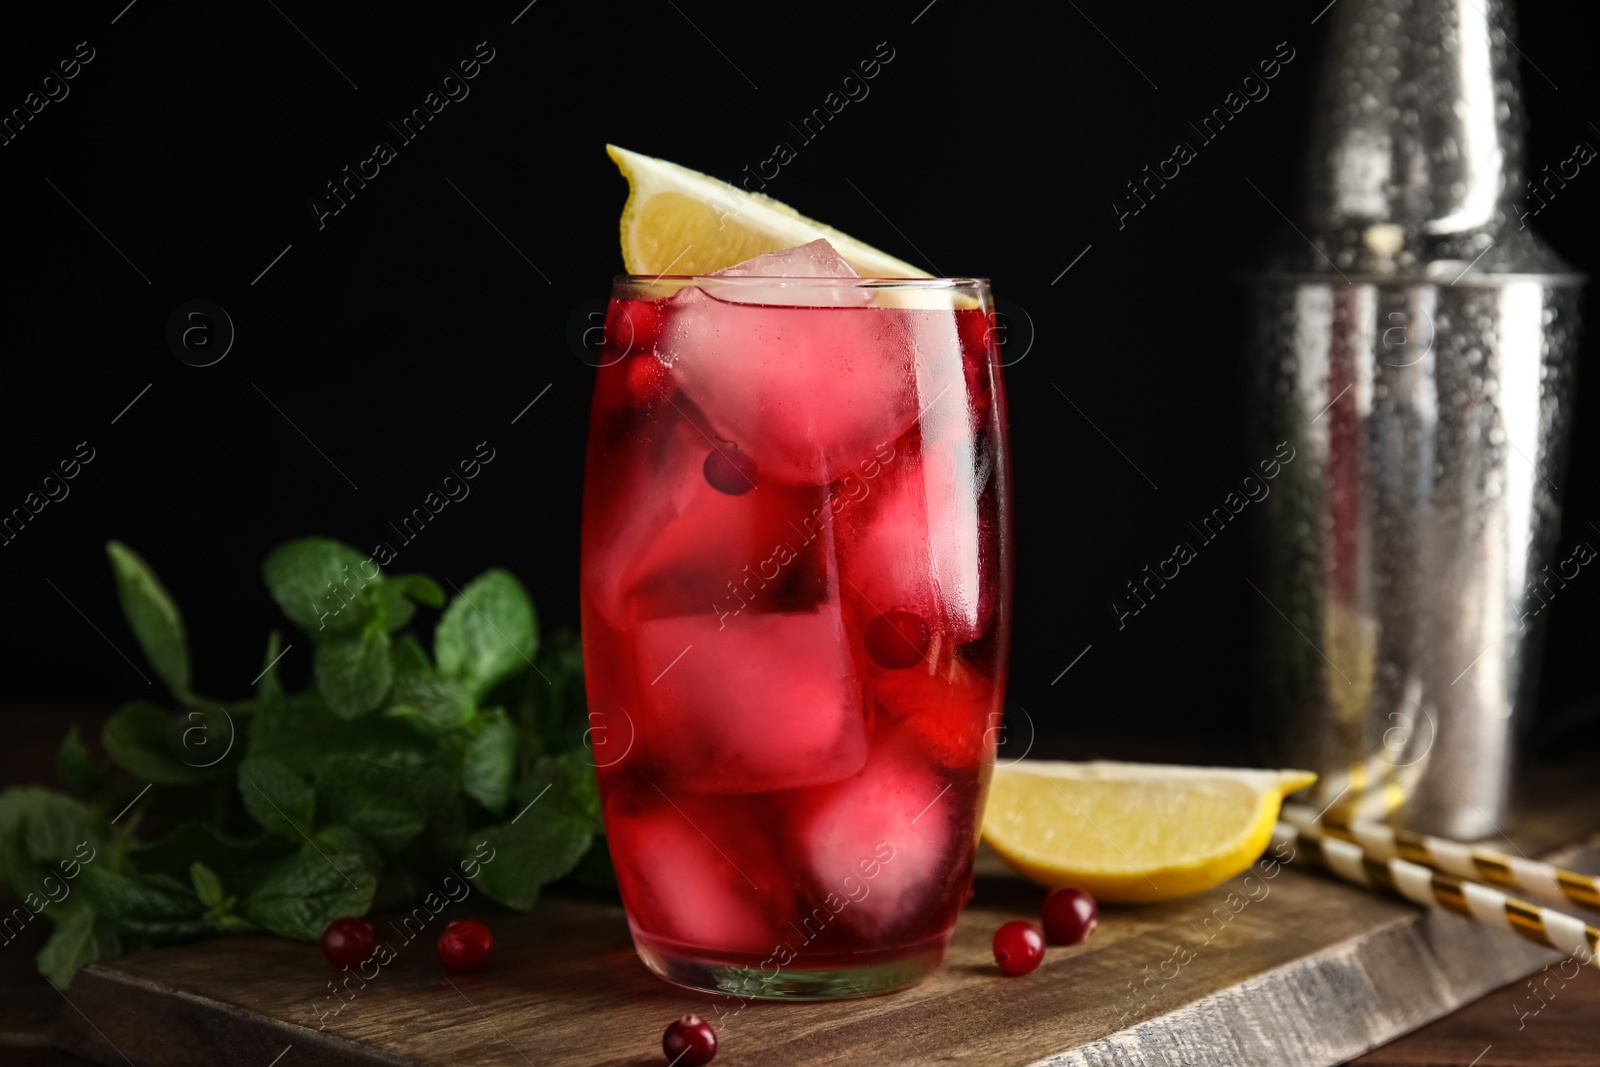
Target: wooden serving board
[{"x": 1306, "y": 972}]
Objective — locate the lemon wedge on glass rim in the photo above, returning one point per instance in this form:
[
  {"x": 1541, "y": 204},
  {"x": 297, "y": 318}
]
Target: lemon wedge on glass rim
[
  {"x": 679, "y": 221},
  {"x": 1133, "y": 832}
]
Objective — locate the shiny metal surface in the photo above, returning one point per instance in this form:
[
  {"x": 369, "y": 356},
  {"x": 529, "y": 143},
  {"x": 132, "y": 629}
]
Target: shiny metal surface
[
  {"x": 1421, "y": 120},
  {"x": 1417, "y": 352}
]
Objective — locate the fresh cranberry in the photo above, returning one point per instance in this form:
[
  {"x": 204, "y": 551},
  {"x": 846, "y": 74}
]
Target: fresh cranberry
[
  {"x": 1018, "y": 947},
  {"x": 729, "y": 470},
  {"x": 347, "y": 942},
  {"x": 636, "y": 326},
  {"x": 897, "y": 640},
  {"x": 689, "y": 1040},
  {"x": 1070, "y": 916},
  {"x": 464, "y": 945},
  {"x": 647, "y": 380}
]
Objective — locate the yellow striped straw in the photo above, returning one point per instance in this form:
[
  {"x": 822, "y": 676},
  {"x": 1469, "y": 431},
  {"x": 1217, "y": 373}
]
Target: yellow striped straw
[
  {"x": 1434, "y": 889},
  {"x": 1525, "y": 877}
]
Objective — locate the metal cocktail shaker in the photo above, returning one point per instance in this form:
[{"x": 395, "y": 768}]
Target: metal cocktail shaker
[{"x": 1414, "y": 344}]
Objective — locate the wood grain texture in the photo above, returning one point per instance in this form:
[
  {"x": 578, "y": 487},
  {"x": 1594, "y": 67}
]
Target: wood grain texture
[
  {"x": 1309, "y": 972},
  {"x": 1495, "y": 1032}
]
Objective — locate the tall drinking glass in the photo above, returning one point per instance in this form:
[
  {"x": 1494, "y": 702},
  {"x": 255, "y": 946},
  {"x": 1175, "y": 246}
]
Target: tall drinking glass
[{"x": 796, "y": 595}]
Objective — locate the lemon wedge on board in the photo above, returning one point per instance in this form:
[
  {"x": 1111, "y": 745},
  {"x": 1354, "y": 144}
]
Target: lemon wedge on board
[{"x": 1133, "y": 832}]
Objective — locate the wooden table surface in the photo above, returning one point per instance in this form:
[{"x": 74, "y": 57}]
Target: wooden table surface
[{"x": 1507, "y": 1027}]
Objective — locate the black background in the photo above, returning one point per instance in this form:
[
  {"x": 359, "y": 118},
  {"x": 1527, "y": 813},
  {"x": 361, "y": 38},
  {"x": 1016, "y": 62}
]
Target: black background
[{"x": 415, "y": 324}]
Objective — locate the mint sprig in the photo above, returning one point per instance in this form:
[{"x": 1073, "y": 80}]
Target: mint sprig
[
  {"x": 154, "y": 618},
  {"x": 285, "y": 810}
]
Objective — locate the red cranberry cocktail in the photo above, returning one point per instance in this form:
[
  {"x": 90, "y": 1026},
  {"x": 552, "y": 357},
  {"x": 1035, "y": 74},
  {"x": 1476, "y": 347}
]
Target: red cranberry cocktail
[{"x": 795, "y": 594}]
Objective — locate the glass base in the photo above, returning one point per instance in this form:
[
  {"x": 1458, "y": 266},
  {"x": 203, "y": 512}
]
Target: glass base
[{"x": 876, "y": 973}]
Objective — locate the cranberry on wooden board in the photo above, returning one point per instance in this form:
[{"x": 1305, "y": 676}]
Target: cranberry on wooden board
[
  {"x": 464, "y": 945},
  {"x": 1070, "y": 916},
  {"x": 347, "y": 942},
  {"x": 689, "y": 1041},
  {"x": 1018, "y": 947}
]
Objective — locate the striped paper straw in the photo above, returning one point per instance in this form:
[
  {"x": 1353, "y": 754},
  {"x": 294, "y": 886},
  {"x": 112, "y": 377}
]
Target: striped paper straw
[
  {"x": 1433, "y": 889},
  {"x": 1525, "y": 877}
]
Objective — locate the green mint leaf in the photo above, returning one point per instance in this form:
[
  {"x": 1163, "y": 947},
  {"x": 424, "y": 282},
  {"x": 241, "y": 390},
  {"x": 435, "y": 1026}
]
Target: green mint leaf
[
  {"x": 153, "y": 907},
  {"x": 331, "y": 839},
  {"x": 574, "y": 786},
  {"x": 323, "y": 586},
  {"x": 290, "y": 730},
  {"x": 441, "y": 704},
  {"x": 488, "y": 633},
  {"x": 421, "y": 588},
  {"x": 409, "y": 657},
  {"x": 377, "y": 801},
  {"x": 228, "y": 923},
  {"x": 305, "y": 735},
  {"x": 400, "y": 595},
  {"x": 421, "y": 698},
  {"x": 207, "y": 886},
  {"x": 240, "y": 862},
  {"x": 270, "y": 696},
  {"x": 412, "y": 719},
  {"x": 219, "y": 906},
  {"x": 75, "y": 767},
  {"x": 308, "y": 891},
  {"x": 204, "y": 741},
  {"x": 528, "y": 857},
  {"x": 544, "y": 841},
  {"x": 154, "y": 619},
  {"x": 490, "y": 761},
  {"x": 44, "y": 834},
  {"x": 149, "y": 743},
  {"x": 277, "y": 798},
  {"x": 395, "y": 607},
  {"x": 81, "y": 936},
  {"x": 354, "y": 673},
  {"x": 555, "y": 702}
]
